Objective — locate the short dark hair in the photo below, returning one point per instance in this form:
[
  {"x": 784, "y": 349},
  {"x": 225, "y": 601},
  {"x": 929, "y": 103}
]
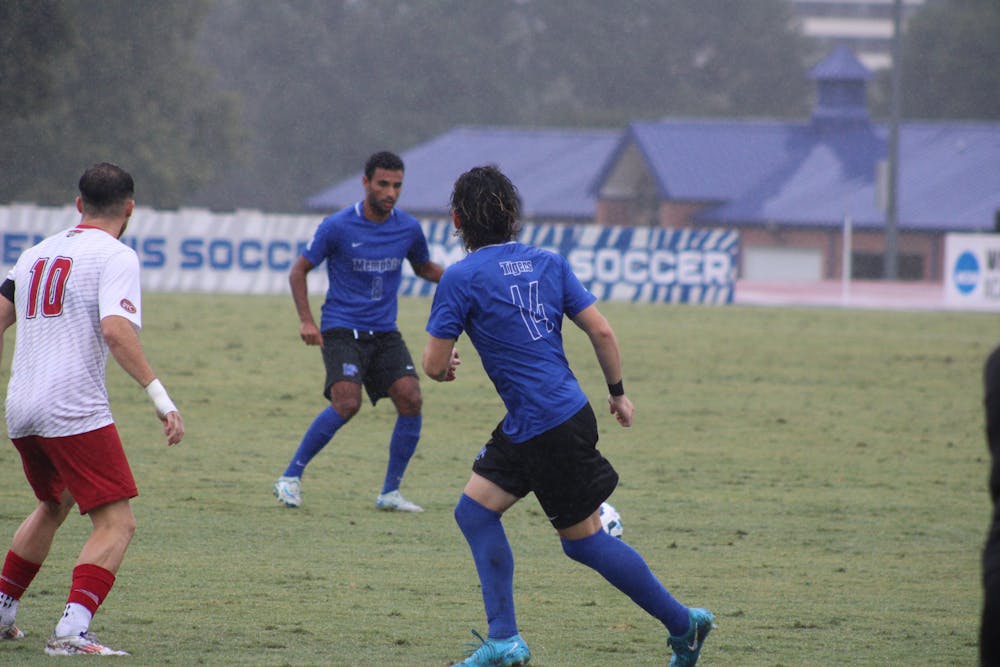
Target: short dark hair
[
  {"x": 383, "y": 160},
  {"x": 104, "y": 188},
  {"x": 487, "y": 205}
]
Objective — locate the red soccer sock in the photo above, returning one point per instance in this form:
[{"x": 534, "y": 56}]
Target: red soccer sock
[
  {"x": 91, "y": 584},
  {"x": 17, "y": 575}
]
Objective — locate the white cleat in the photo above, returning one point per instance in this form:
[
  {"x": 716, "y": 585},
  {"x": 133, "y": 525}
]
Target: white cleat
[
  {"x": 85, "y": 643},
  {"x": 10, "y": 632},
  {"x": 288, "y": 491},
  {"x": 394, "y": 501}
]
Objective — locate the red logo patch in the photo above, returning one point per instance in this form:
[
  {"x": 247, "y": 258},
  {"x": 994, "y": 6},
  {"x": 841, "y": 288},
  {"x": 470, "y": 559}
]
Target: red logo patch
[{"x": 127, "y": 306}]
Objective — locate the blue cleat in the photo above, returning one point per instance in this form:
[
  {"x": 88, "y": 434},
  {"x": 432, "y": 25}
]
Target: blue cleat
[
  {"x": 509, "y": 652},
  {"x": 688, "y": 648}
]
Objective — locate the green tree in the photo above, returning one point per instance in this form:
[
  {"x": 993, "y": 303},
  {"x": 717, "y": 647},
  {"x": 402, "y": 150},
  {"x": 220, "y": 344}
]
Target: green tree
[
  {"x": 326, "y": 83},
  {"x": 950, "y": 56},
  {"x": 28, "y": 29},
  {"x": 127, "y": 90},
  {"x": 291, "y": 65},
  {"x": 641, "y": 59}
]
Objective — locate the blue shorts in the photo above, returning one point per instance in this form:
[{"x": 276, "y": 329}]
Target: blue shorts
[{"x": 562, "y": 466}]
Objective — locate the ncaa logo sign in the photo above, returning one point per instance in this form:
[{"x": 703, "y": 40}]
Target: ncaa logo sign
[{"x": 966, "y": 272}]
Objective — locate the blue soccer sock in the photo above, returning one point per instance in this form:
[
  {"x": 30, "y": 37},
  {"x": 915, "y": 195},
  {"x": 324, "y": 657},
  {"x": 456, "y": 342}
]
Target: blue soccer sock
[
  {"x": 401, "y": 447},
  {"x": 317, "y": 435},
  {"x": 494, "y": 563},
  {"x": 626, "y": 570}
]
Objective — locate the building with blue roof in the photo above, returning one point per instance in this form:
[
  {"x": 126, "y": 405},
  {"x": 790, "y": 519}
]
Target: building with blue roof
[
  {"x": 792, "y": 188},
  {"x": 553, "y": 169}
]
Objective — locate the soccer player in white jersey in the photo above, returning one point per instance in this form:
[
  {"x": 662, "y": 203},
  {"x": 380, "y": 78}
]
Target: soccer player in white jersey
[
  {"x": 74, "y": 297},
  {"x": 510, "y": 299}
]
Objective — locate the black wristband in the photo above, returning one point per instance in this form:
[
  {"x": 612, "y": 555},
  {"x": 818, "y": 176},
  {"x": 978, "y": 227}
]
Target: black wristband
[
  {"x": 616, "y": 389},
  {"x": 7, "y": 290}
]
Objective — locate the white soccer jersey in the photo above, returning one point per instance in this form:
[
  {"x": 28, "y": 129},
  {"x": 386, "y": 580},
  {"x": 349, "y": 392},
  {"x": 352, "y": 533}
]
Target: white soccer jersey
[{"x": 63, "y": 288}]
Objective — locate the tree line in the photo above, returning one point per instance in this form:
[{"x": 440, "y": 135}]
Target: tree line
[{"x": 235, "y": 104}]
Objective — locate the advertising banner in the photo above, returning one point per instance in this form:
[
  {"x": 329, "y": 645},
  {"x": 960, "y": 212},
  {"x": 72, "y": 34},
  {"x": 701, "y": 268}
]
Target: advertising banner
[
  {"x": 249, "y": 252},
  {"x": 972, "y": 271}
]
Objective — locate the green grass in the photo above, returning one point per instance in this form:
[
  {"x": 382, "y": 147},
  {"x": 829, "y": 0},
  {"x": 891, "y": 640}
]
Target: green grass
[{"x": 815, "y": 477}]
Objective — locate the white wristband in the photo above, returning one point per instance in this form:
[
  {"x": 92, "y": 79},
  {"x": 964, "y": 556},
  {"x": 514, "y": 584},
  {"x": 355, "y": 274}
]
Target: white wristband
[{"x": 161, "y": 399}]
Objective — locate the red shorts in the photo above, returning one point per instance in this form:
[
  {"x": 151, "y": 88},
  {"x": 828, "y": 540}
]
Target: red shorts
[{"x": 91, "y": 465}]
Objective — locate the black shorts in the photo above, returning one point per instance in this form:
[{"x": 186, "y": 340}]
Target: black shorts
[
  {"x": 562, "y": 466},
  {"x": 373, "y": 359}
]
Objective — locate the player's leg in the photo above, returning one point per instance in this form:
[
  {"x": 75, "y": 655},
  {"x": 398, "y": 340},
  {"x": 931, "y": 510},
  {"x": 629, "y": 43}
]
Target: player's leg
[
  {"x": 33, "y": 538},
  {"x": 405, "y": 395},
  {"x": 571, "y": 479},
  {"x": 35, "y": 535},
  {"x": 478, "y": 514},
  {"x": 345, "y": 400},
  {"x": 498, "y": 481},
  {"x": 94, "y": 575},
  {"x": 113, "y": 525},
  {"x": 392, "y": 374},
  {"x": 28, "y": 551},
  {"x": 99, "y": 478},
  {"x": 625, "y": 569},
  {"x": 112, "y": 528},
  {"x": 342, "y": 388}
]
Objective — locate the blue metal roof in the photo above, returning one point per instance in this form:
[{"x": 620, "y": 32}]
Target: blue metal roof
[
  {"x": 949, "y": 180},
  {"x": 699, "y": 160},
  {"x": 551, "y": 167},
  {"x": 841, "y": 65},
  {"x": 747, "y": 172},
  {"x": 950, "y": 175}
]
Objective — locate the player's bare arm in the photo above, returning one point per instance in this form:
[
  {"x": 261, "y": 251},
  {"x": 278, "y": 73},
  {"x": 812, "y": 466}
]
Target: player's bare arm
[
  {"x": 308, "y": 330},
  {"x": 125, "y": 346},
  {"x": 429, "y": 271},
  {"x": 605, "y": 344},
  {"x": 7, "y": 318},
  {"x": 440, "y": 359}
]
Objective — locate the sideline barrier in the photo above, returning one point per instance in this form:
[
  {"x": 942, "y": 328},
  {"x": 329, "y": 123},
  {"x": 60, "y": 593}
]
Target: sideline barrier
[
  {"x": 249, "y": 252},
  {"x": 972, "y": 271}
]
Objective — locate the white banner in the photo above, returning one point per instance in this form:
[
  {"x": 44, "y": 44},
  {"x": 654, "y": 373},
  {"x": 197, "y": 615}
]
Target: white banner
[
  {"x": 195, "y": 250},
  {"x": 972, "y": 271}
]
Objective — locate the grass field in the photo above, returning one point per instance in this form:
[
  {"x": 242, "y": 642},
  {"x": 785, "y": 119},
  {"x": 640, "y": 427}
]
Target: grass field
[{"x": 815, "y": 477}]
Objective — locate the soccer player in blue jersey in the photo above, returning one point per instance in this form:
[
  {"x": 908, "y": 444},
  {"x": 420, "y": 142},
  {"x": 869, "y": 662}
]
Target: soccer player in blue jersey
[
  {"x": 364, "y": 247},
  {"x": 510, "y": 299}
]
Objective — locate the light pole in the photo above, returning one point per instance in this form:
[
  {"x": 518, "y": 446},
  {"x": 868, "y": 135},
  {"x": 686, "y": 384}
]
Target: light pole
[{"x": 892, "y": 208}]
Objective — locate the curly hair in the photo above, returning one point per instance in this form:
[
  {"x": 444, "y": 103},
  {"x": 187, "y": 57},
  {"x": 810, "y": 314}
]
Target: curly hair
[
  {"x": 488, "y": 207},
  {"x": 383, "y": 160}
]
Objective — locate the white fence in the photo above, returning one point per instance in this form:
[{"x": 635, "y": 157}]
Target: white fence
[{"x": 194, "y": 250}]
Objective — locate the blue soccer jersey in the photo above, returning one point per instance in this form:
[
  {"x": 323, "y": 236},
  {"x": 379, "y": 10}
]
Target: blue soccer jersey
[
  {"x": 510, "y": 299},
  {"x": 364, "y": 264}
]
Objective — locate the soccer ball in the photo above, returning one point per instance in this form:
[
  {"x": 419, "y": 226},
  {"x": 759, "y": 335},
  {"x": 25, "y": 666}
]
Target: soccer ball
[{"x": 611, "y": 520}]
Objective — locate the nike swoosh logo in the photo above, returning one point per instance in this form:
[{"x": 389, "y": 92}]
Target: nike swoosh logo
[{"x": 355, "y": 245}]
